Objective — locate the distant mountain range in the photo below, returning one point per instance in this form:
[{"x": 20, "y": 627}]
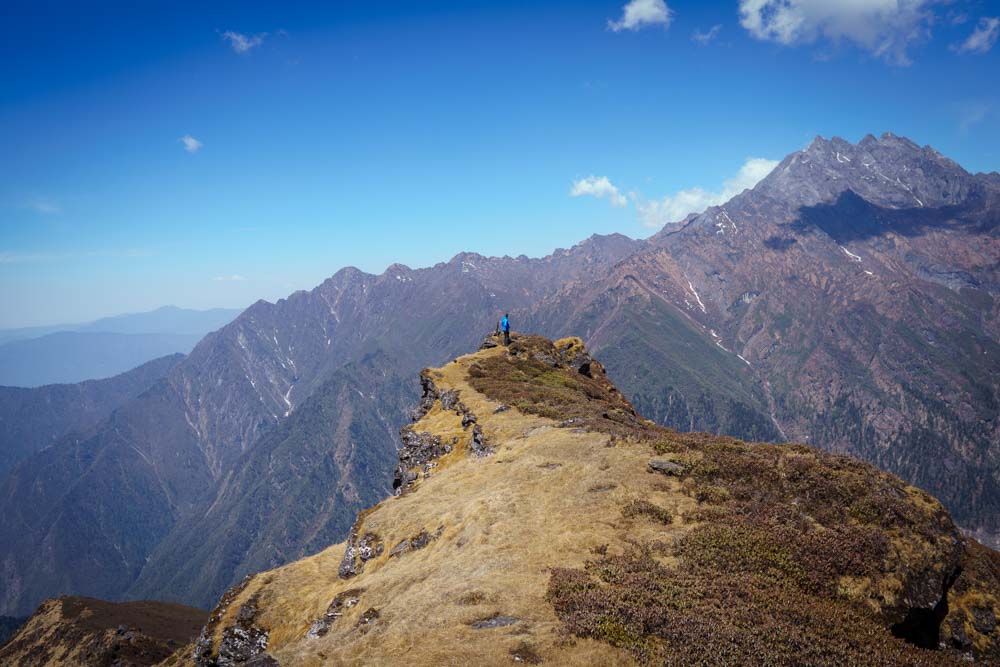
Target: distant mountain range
[
  {"x": 33, "y": 419},
  {"x": 31, "y": 357},
  {"x": 850, "y": 300}
]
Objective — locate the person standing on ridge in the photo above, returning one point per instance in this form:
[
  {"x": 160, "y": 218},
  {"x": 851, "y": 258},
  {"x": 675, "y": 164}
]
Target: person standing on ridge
[{"x": 505, "y": 325}]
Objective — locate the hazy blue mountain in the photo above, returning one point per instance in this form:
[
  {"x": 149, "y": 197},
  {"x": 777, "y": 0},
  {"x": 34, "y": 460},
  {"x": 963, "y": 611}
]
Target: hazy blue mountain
[
  {"x": 32, "y": 419},
  {"x": 31, "y": 357},
  {"x": 164, "y": 320},
  {"x": 69, "y": 357}
]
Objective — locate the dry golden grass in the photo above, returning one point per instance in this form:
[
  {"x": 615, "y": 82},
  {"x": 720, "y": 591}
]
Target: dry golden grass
[
  {"x": 84, "y": 631},
  {"x": 755, "y": 553},
  {"x": 508, "y": 519}
]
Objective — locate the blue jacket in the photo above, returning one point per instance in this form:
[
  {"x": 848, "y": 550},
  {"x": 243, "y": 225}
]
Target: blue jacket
[{"x": 504, "y": 324}]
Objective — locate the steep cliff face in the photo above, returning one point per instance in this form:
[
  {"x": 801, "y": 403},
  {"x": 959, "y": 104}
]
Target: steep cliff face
[
  {"x": 539, "y": 518},
  {"x": 84, "y": 631}
]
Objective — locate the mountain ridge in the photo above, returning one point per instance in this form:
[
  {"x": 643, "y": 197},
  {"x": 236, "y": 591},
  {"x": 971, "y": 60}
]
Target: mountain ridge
[
  {"x": 538, "y": 517},
  {"x": 716, "y": 326}
]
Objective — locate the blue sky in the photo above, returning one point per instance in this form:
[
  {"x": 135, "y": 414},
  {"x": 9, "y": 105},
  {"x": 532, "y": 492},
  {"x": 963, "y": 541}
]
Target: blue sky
[{"x": 328, "y": 134}]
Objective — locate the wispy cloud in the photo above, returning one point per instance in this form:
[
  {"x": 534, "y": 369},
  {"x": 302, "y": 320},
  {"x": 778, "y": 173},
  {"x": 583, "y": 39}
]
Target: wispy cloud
[
  {"x": 983, "y": 37},
  {"x": 9, "y": 257},
  {"x": 235, "y": 278},
  {"x": 242, "y": 43},
  {"x": 600, "y": 187},
  {"x": 971, "y": 114},
  {"x": 191, "y": 145},
  {"x": 43, "y": 205},
  {"x": 673, "y": 208},
  {"x": 707, "y": 37},
  {"x": 885, "y": 28},
  {"x": 641, "y": 13}
]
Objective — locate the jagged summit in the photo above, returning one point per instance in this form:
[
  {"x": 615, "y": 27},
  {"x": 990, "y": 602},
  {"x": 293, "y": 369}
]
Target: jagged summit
[
  {"x": 539, "y": 518},
  {"x": 890, "y": 171}
]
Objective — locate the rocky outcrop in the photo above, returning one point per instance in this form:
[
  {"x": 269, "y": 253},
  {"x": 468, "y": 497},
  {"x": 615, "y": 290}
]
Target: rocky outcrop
[
  {"x": 420, "y": 449},
  {"x": 417, "y": 452},
  {"x": 341, "y": 603},
  {"x": 244, "y": 641},
  {"x": 204, "y": 650},
  {"x": 418, "y": 541},
  {"x": 361, "y": 547}
]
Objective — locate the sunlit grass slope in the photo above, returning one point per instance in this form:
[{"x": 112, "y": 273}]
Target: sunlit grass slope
[{"x": 589, "y": 535}]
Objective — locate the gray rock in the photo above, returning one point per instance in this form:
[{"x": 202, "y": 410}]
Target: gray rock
[
  {"x": 360, "y": 548},
  {"x": 418, "y": 449},
  {"x": 344, "y": 600},
  {"x": 667, "y": 468},
  {"x": 243, "y": 640},
  {"x": 449, "y": 400},
  {"x": 479, "y": 447},
  {"x": 369, "y": 617},
  {"x": 496, "y": 621}
]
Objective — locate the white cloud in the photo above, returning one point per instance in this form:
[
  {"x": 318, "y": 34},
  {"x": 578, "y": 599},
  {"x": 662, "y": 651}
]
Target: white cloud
[
  {"x": 43, "y": 205},
  {"x": 673, "y": 208},
  {"x": 191, "y": 145},
  {"x": 971, "y": 114},
  {"x": 640, "y": 13},
  {"x": 235, "y": 278},
  {"x": 598, "y": 186},
  {"x": 243, "y": 43},
  {"x": 707, "y": 37},
  {"x": 886, "y": 28},
  {"x": 983, "y": 38}
]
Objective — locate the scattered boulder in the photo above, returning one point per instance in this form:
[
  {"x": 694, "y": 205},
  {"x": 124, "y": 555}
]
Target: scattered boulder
[
  {"x": 489, "y": 342},
  {"x": 494, "y": 621},
  {"x": 343, "y": 600},
  {"x": 478, "y": 446},
  {"x": 449, "y": 400},
  {"x": 368, "y": 618},
  {"x": 667, "y": 468},
  {"x": 526, "y": 654},
  {"x": 602, "y": 486},
  {"x": 421, "y": 540},
  {"x": 360, "y": 548},
  {"x": 428, "y": 394},
  {"x": 503, "y": 407}
]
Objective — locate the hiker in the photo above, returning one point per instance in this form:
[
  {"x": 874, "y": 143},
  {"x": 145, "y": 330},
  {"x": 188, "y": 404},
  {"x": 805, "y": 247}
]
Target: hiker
[{"x": 505, "y": 325}]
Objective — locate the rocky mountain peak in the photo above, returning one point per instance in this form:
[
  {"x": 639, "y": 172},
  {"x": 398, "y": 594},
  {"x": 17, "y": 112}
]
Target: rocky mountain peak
[{"x": 890, "y": 171}]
